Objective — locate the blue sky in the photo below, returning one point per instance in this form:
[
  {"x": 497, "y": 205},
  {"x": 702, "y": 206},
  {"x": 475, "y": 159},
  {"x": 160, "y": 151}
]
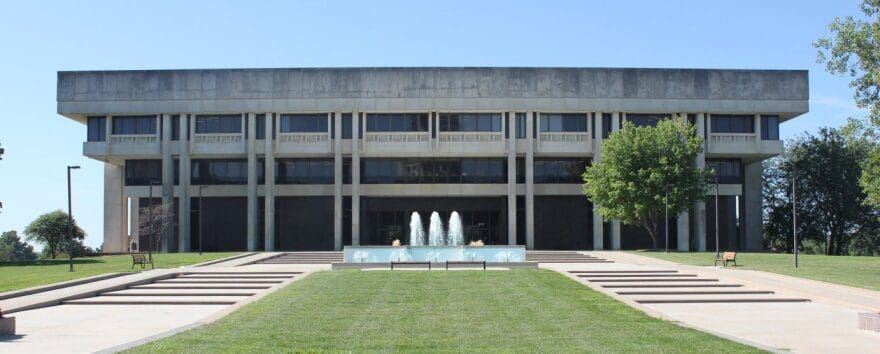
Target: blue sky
[{"x": 39, "y": 38}]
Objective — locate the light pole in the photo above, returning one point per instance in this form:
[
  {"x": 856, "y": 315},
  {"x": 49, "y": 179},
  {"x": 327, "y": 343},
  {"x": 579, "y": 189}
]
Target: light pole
[
  {"x": 666, "y": 217},
  {"x": 794, "y": 213},
  {"x": 200, "y": 218},
  {"x": 70, "y": 217}
]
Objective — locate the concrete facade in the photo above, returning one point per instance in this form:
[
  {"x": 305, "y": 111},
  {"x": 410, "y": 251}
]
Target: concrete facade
[{"x": 698, "y": 94}]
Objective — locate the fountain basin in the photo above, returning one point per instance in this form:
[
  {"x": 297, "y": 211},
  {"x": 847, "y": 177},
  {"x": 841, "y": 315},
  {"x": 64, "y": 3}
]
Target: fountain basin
[{"x": 437, "y": 254}]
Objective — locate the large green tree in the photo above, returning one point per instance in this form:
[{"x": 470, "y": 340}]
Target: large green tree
[
  {"x": 832, "y": 214},
  {"x": 13, "y": 249},
  {"x": 50, "y": 229},
  {"x": 854, "y": 50},
  {"x": 637, "y": 164}
]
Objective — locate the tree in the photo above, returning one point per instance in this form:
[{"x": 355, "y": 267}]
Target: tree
[
  {"x": 50, "y": 229},
  {"x": 830, "y": 204},
  {"x": 154, "y": 220},
  {"x": 637, "y": 165},
  {"x": 13, "y": 249},
  {"x": 854, "y": 50},
  {"x": 79, "y": 249}
]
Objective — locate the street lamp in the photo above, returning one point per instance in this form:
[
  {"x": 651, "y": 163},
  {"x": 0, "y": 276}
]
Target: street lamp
[
  {"x": 666, "y": 217},
  {"x": 70, "y": 217},
  {"x": 794, "y": 212}
]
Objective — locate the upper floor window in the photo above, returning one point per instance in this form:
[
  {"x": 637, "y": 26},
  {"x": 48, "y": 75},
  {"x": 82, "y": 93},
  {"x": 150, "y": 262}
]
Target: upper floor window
[
  {"x": 218, "y": 124},
  {"x": 175, "y": 127},
  {"x": 729, "y": 123},
  {"x": 142, "y": 172},
  {"x": 520, "y": 125},
  {"x": 729, "y": 171},
  {"x": 97, "y": 129},
  {"x": 470, "y": 122},
  {"x": 304, "y": 171},
  {"x": 304, "y": 123},
  {"x": 434, "y": 171},
  {"x": 769, "y": 127},
  {"x": 646, "y": 119},
  {"x": 134, "y": 125},
  {"x": 260, "y": 134},
  {"x": 560, "y": 170},
  {"x": 224, "y": 171},
  {"x": 556, "y": 122},
  {"x": 397, "y": 122},
  {"x": 606, "y": 125},
  {"x": 346, "y": 126}
]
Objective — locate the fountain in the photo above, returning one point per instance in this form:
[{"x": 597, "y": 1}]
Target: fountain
[
  {"x": 416, "y": 230},
  {"x": 456, "y": 232},
  {"x": 436, "y": 236}
]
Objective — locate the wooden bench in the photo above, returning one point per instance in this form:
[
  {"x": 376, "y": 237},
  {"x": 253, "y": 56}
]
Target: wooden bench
[
  {"x": 466, "y": 262},
  {"x": 140, "y": 258},
  {"x": 725, "y": 258},
  {"x": 405, "y": 263}
]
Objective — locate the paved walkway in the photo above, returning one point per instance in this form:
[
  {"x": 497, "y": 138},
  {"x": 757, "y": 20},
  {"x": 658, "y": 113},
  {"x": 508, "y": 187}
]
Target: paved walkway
[
  {"x": 117, "y": 313},
  {"x": 771, "y": 311}
]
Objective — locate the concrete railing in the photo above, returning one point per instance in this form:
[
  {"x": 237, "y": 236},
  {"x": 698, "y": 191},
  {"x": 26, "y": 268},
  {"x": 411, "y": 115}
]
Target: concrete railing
[
  {"x": 397, "y": 137},
  {"x": 133, "y": 139},
  {"x": 218, "y": 138},
  {"x": 470, "y": 137},
  {"x": 303, "y": 138},
  {"x": 565, "y": 137},
  {"x": 733, "y": 138}
]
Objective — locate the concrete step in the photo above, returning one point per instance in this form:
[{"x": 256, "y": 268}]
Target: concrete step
[
  {"x": 642, "y": 280},
  {"x": 245, "y": 273},
  {"x": 200, "y": 286},
  {"x": 669, "y": 286},
  {"x": 731, "y": 300},
  {"x": 180, "y": 292},
  {"x": 157, "y": 300},
  {"x": 217, "y": 281},
  {"x": 620, "y": 271},
  {"x": 224, "y": 276},
  {"x": 638, "y": 275},
  {"x": 694, "y": 291},
  {"x": 567, "y": 261}
]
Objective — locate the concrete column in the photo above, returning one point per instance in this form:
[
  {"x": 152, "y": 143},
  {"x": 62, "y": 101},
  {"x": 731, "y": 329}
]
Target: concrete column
[
  {"x": 252, "y": 197},
  {"x": 167, "y": 178},
  {"x": 598, "y": 220},
  {"x": 700, "y": 206},
  {"x": 337, "y": 182},
  {"x": 758, "y": 127},
  {"x": 511, "y": 178},
  {"x": 530, "y": 181},
  {"x": 134, "y": 217},
  {"x": 682, "y": 231},
  {"x": 615, "y": 224},
  {"x": 115, "y": 210},
  {"x": 751, "y": 208},
  {"x": 108, "y": 128},
  {"x": 355, "y": 179},
  {"x": 184, "y": 206},
  {"x": 271, "y": 121}
]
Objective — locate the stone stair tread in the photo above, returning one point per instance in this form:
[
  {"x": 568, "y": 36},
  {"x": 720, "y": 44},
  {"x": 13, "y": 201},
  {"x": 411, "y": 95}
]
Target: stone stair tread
[
  {"x": 720, "y": 300},
  {"x": 642, "y": 280},
  {"x": 179, "y": 292},
  {"x": 200, "y": 286},
  {"x": 669, "y": 286}
]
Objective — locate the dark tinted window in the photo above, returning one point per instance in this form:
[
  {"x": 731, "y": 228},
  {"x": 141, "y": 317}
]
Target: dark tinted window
[
  {"x": 646, "y": 119},
  {"x": 397, "y": 122},
  {"x": 260, "y": 134},
  {"x": 470, "y": 122},
  {"x": 606, "y": 125},
  {"x": 723, "y": 123},
  {"x": 560, "y": 170},
  {"x": 134, "y": 125},
  {"x": 346, "y": 126},
  {"x": 175, "y": 127},
  {"x": 769, "y": 127},
  {"x": 434, "y": 171},
  {"x": 223, "y": 171},
  {"x": 142, "y": 172},
  {"x": 97, "y": 129},
  {"x": 520, "y": 170},
  {"x": 728, "y": 170},
  {"x": 218, "y": 124},
  {"x": 520, "y": 125},
  {"x": 304, "y": 123},
  {"x": 304, "y": 171},
  {"x": 555, "y": 122}
]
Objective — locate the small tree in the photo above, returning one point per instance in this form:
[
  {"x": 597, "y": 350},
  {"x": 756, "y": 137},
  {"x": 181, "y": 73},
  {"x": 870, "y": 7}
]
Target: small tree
[
  {"x": 50, "y": 229},
  {"x": 638, "y": 165},
  {"x": 154, "y": 220},
  {"x": 13, "y": 249}
]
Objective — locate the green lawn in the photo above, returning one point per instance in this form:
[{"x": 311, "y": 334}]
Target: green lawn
[
  {"x": 455, "y": 311},
  {"x": 863, "y": 272},
  {"x": 22, "y": 275}
]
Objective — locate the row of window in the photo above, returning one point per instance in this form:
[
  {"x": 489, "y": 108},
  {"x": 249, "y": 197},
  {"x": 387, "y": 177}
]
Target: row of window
[
  {"x": 416, "y": 122},
  {"x": 385, "y": 171}
]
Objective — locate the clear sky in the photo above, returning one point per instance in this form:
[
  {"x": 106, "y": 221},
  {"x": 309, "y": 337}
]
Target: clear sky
[{"x": 39, "y": 38}]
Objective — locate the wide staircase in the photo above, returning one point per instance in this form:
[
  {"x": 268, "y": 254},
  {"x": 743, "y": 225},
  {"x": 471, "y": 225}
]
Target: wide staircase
[
  {"x": 304, "y": 258},
  {"x": 562, "y": 257},
  {"x": 202, "y": 288}
]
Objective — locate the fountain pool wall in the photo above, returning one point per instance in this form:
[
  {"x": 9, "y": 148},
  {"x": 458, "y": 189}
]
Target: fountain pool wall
[{"x": 385, "y": 254}]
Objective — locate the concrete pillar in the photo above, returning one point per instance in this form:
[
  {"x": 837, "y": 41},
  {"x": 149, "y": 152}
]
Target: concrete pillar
[
  {"x": 752, "y": 213},
  {"x": 252, "y": 197},
  {"x": 598, "y": 220},
  {"x": 530, "y": 181},
  {"x": 700, "y": 206},
  {"x": 511, "y": 178},
  {"x": 167, "y": 179},
  {"x": 184, "y": 206},
  {"x": 682, "y": 229},
  {"x": 615, "y": 224},
  {"x": 115, "y": 210},
  {"x": 134, "y": 217},
  {"x": 355, "y": 178},
  {"x": 337, "y": 181},
  {"x": 270, "y": 182}
]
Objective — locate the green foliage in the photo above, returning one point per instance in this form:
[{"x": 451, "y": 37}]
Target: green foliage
[
  {"x": 13, "y": 249},
  {"x": 832, "y": 213},
  {"x": 637, "y": 164},
  {"x": 50, "y": 229},
  {"x": 79, "y": 250},
  {"x": 870, "y": 180}
]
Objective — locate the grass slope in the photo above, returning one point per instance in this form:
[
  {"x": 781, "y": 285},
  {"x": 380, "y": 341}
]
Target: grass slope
[
  {"x": 22, "y": 275},
  {"x": 454, "y": 311},
  {"x": 862, "y": 272}
]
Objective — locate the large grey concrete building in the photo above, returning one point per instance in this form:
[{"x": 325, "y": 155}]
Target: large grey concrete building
[{"x": 315, "y": 159}]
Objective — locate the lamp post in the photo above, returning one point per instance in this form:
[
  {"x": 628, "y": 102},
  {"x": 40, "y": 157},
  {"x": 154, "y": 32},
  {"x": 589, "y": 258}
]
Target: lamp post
[
  {"x": 794, "y": 213},
  {"x": 666, "y": 218},
  {"x": 70, "y": 217}
]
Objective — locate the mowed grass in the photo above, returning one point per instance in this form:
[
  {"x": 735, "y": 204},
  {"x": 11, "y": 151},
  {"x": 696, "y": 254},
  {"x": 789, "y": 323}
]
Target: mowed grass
[
  {"x": 862, "y": 272},
  {"x": 537, "y": 311},
  {"x": 20, "y": 275}
]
